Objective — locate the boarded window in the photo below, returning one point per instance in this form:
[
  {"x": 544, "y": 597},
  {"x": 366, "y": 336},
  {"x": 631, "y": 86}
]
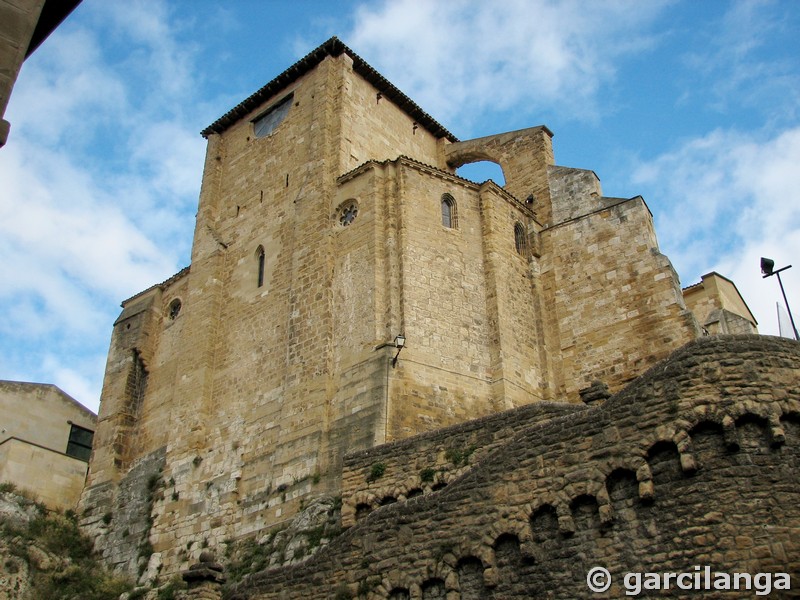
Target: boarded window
[{"x": 266, "y": 123}]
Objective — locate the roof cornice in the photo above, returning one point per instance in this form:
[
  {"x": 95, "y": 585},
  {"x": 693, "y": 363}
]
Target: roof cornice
[{"x": 333, "y": 47}]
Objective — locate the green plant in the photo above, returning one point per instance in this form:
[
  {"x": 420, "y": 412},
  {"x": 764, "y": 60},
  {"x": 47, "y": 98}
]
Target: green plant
[
  {"x": 314, "y": 536},
  {"x": 7, "y": 486},
  {"x": 153, "y": 482},
  {"x": 145, "y": 548},
  {"x": 83, "y": 577},
  {"x": 60, "y": 536},
  {"x": 427, "y": 474},
  {"x": 459, "y": 457},
  {"x": 167, "y": 592},
  {"x": 107, "y": 517},
  {"x": 377, "y": 471}
]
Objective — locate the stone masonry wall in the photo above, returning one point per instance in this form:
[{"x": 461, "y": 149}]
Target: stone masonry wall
[
  {"x": 695, "y": 463},
  {"x": 279, "y": 360},
  {"x": 428, "y": 462},
  {"x": 615, "y": 300},
  {"x": 241, "y": 387}
]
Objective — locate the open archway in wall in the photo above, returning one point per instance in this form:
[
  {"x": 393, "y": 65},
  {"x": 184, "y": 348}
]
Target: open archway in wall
[{"x": 481, "y": 171}]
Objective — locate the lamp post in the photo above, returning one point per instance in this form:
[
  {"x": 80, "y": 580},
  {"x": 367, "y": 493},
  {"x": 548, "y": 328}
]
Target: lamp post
[
  {"x": 399, "y": 343},
  {"x": 768, "y": 270}
]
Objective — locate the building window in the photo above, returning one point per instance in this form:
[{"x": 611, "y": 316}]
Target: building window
[
  {"x": 347, "y": 213},
  {"x": 449, "y": 213},
  {"x": 520, "y": 239},
  {"x": 174, "y": 309},
  {"x": 80, "y": 442},
  {"x": 135, "y": 386},
  {"x": 266, "y": 123},
  {"x": 260, "y": 259}
]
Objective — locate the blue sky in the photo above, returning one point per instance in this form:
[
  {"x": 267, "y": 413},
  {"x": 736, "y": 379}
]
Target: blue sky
[{"x": 693, "y": 105}]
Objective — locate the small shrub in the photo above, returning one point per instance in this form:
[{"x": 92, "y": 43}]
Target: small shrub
[
  {"x": 7, "y": 486},
  {"x": 377, "y": 471},
  {"x": 458, "y": 456},
  {"x": 168, "y": 591},
  {"x": 145, "y": 549},
  {"x": 314, "y": 536},
  {"x": 427, "y": 475},
  {"x": 152, "y": 482},
  {"x": 107, "y": 517},
  {"x": 61, "y": 536}
]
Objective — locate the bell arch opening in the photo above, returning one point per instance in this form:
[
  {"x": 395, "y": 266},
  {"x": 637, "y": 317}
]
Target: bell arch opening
[{"x": 482, "y": 170}]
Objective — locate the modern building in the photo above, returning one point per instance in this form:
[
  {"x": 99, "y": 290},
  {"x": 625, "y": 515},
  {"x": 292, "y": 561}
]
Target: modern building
[{"x": 45, "y": 442}]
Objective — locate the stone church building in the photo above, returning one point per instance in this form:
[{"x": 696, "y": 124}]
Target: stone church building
[{"x": 347, "y": 289}]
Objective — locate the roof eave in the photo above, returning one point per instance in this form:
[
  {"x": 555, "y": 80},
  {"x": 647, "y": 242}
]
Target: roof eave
[{"x": 333, "y": 47}]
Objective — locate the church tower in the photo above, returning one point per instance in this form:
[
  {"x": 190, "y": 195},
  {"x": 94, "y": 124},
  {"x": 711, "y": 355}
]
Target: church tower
[{"x": 330, "y": 222}]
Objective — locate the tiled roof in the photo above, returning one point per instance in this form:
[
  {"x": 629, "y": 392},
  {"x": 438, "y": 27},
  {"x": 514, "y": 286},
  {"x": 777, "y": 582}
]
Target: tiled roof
[{"x": 333, "y": 47}]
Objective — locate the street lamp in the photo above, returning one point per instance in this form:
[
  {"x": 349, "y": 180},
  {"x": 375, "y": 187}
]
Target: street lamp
[
  {"x": 399, "y": 343},
  {"x": 768, "y": 270}
]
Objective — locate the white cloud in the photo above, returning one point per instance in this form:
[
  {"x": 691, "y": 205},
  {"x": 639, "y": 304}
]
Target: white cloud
[
  {"x": 744, "y": 63},
  {"x": 100, "y": 181},
  {"x": 522, "y": 54},
  {"x": 82, "y": 383},
  {"x": 67, "y": 94},
  {"x": 54, "y": 214},
  {"x": 726, "y": 200}
]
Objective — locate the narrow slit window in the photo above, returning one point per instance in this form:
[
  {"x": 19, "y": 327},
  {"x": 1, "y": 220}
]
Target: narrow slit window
[
  {"x": 260, "y": 260},
  {"x": 449, "y": 215},
  {"x": 135, "y": 386}
]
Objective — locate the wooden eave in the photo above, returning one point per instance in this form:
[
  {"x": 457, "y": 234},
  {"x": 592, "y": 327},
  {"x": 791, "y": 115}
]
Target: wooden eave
[{"x": 333, "y": 47}]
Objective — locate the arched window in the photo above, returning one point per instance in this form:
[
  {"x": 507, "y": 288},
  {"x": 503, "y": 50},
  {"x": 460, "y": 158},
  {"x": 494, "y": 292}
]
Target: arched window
[
  {"x": 260, "y": 258},
  {"x": 449, "y": 214},
  {"x": 520, "y": 239},
  {"x": 174, "y": 309}
]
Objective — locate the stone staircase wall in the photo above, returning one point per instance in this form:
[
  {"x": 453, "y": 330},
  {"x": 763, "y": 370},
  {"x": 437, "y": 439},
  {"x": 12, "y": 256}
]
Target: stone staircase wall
[{"x": 693, "y": 464}]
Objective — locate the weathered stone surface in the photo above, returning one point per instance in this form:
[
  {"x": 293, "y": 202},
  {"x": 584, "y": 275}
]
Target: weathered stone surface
[
  {"x": 253, "y": 372},
  {"x": 739, "y": 511}
]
